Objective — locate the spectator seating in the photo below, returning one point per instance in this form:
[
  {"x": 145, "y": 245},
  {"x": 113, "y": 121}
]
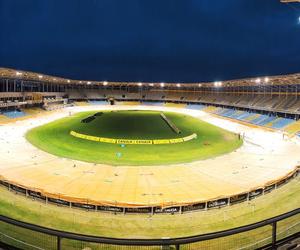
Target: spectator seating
[
  {"x": 98, "y": 102},
  {"x": 14, "y": 114},
  {"x": 175, "y": 105},
  {"x": 153, "y": 103},
  {"x": 282, "y": 122},
  {"x": 130, "y": 103},
  {"x": 195, "y": 106},
  {"x": 293, "y": 127},
  {"x": 81, "y": 103},
  {"x": 256, "y": 119}
]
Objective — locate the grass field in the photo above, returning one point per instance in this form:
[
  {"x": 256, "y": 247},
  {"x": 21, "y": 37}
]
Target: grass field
[
  {"x": 55, "y": 138},
  {"x": 279, "y": 201}
]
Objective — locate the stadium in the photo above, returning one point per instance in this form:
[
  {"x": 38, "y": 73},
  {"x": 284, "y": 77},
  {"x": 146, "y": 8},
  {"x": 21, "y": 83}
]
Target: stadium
[
  {"x": 148, "y": 164},
  {"x": 258, "y": 155}
]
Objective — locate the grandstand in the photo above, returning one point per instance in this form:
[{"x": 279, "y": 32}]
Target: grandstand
[{"x": 273, "y": 103}]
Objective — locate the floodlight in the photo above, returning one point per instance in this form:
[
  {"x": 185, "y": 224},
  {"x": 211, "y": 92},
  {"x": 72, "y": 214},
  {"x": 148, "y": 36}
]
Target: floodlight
[{"x": 218, "y": 84}]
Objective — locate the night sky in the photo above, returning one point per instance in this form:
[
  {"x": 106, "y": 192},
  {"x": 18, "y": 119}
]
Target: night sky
[{"x": 150, "y": 40}]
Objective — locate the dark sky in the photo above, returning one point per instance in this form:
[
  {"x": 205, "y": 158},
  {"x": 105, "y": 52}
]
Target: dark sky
[{"x": 150, "y": 40}]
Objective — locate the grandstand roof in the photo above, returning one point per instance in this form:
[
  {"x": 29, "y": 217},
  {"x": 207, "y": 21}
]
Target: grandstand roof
[{"x": 7, "y": 73}]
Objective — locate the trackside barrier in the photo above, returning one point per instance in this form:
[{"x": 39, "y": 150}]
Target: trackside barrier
[
  {"x": 127, "y": 141},
  {"x": 177, "y": 243},
  {"x": 90, "y": 205}
]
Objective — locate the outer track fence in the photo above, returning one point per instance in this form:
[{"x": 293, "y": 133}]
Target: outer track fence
[{"x": 266, "y": 234}]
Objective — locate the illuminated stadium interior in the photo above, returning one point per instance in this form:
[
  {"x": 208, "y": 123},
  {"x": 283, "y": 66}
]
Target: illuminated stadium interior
[
  {"x": 261, "y": 114},
  {"x": 274, "y": 110},
  {"x": 171, "y": 165}
]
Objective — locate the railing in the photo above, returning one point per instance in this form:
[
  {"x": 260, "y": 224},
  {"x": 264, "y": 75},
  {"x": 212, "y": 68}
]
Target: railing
[{"x": 115, "y": 243}]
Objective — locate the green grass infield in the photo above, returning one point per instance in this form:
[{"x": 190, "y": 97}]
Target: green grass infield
[{"x": 55, "y": 138}]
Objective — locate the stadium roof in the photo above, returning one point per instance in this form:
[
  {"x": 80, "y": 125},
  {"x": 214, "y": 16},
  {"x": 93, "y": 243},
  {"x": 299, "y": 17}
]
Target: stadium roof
[{"x": 6, "y": 73}]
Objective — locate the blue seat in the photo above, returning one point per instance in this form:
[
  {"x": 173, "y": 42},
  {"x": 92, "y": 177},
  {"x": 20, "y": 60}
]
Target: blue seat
[
  {"x": 236, "y": 114},
  {"x": 281, "y": 123},
  {"x": 98, "y": 102},
  {"x": 195, "y": 106},
  {"x": 14, "y": 114},
  {"x": 153, "y": 103},
  {"x": 267, "y": 120},
  {"x": 229, "y": 113},
  {"x": 259, "y": 119},
  {"x": 244, "y": 116},
  {"x": 222, "y": 111}
]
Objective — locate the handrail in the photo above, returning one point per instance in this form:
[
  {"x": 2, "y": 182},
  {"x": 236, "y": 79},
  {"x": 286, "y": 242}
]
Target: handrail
[{"x": 148, "y": 242}]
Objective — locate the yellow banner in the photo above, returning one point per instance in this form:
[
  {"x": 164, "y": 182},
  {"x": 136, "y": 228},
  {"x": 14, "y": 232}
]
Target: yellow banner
[
  {"x": 107, "y": 140},
  {"x": 190, "y": 137},
  {"x": 127, "y": 141},
  {"x": 176, "y": 140},
  {"x": 161, "y": 141}
]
